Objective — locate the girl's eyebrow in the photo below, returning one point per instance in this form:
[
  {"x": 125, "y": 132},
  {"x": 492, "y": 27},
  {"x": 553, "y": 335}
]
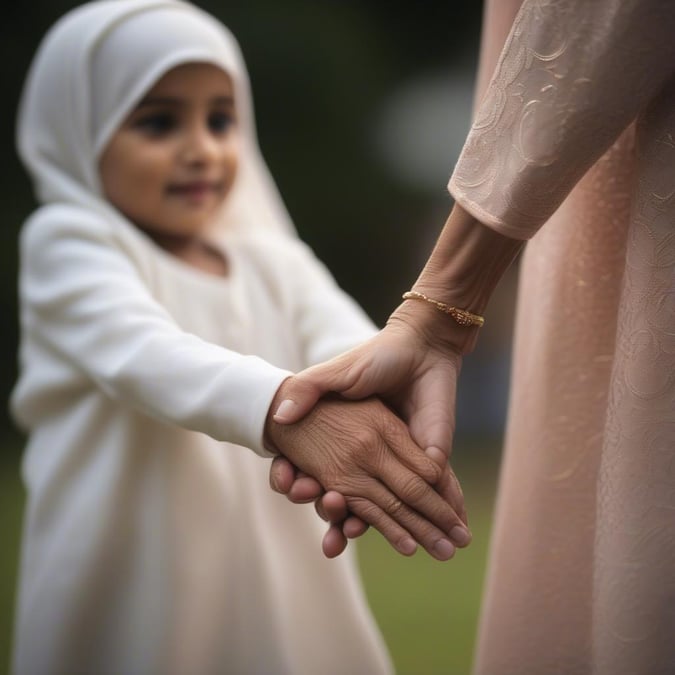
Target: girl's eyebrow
[{"x": 176, "y": 101}]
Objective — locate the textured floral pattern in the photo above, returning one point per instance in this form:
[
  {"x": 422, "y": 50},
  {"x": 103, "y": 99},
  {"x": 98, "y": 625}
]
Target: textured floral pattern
[
  {"x": 573, "y": 74},
  {"x": 634, "y": 607},
  {"x": 575, "y": 141}
]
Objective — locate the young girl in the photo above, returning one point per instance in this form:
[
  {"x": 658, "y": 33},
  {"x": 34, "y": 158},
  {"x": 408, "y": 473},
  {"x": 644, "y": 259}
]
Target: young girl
[{"x": 150, "y": 547}]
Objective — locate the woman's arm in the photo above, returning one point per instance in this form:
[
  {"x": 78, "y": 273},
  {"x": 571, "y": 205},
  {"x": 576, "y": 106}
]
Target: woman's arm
[
  {"x": 571, "y": 77},
  {"x": 415, "y": 360},
  {"x": 413, "y": 363}
]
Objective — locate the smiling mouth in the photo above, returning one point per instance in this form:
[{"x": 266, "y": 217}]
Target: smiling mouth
[{"x": 195, "y": 189}]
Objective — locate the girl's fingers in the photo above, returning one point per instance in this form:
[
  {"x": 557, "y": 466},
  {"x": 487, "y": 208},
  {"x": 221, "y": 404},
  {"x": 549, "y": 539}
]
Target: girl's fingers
[
  {"x": 400, "y": 525},
  {"x": 451, "y": 491},
  {"x": 425, "y": 502},
  {"x": 398, "y": 537}
]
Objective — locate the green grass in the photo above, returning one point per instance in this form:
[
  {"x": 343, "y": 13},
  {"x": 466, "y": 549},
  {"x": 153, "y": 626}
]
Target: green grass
[
  {"x": 427, "y": 610},
  {"x": 11, "y": 509}
]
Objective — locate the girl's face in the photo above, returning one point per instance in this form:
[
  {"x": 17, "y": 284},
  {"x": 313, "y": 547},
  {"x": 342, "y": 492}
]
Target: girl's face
[{"x": 172, "y": 162}]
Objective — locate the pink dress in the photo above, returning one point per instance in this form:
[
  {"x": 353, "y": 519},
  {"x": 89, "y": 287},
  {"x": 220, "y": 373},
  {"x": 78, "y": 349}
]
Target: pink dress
[{"x": 574, "y": 142}]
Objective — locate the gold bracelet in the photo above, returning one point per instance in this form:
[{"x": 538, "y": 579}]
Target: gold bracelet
[{"x": 462, "y": 316}]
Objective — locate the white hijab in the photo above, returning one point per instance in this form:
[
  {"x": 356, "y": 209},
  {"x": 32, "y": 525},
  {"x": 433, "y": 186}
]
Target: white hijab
[{"x": 91, "y": 69}]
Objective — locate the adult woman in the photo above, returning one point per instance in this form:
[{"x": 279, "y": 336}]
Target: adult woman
[{"x": 579, "y": 114}]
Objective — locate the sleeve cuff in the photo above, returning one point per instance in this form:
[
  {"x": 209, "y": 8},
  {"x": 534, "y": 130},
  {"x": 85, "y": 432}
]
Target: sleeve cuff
[{"x": 257, "y": 383}]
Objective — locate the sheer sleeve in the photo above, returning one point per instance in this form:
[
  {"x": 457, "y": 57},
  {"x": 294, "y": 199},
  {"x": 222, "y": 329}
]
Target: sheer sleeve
[{"x": 572, "y": 76}]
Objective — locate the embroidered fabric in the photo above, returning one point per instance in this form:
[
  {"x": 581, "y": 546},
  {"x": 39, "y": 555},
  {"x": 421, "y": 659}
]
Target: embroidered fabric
[
  {"x": 571, "y": 77},
  {"x": 580, "y": 577}
]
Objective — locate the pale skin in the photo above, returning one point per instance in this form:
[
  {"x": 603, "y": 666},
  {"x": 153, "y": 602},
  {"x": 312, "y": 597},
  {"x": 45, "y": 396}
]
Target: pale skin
[
  {"x": 412, "y": 363},
  {"x": 168, "y": 169}
]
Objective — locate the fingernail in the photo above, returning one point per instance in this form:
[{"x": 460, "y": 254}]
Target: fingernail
[
  {"x": 285, "y": 409},
  {"x": 460, "y": 535},
  {"x": 407, "y": 546},
  {"x": 444, "y": 549}
]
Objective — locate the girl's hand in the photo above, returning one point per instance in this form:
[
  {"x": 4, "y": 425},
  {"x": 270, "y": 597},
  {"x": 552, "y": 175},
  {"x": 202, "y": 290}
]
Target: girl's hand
[
  {"x": 413, "y": 365},
  {"x": 332, "y": 507},
  {"x": 365, "y": 453}
]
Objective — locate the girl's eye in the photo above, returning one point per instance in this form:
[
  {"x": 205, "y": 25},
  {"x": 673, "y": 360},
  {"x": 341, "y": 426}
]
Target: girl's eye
[
  {"x": 220, "y": 122},
  {"x": 156, "y": 124}
]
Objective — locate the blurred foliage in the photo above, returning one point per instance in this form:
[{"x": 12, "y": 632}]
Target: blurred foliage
[{"x": 320, "y": 71}]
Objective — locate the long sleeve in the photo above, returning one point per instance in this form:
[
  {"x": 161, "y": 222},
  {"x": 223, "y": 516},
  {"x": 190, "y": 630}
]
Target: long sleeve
[
  {"x": 83, "y": 298},
  {"x": 572, "y": 76}
]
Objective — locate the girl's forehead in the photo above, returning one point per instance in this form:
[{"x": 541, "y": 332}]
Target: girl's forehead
[
  {"x": 193, "y": 78},
  {"x": 191, "y": 84}
]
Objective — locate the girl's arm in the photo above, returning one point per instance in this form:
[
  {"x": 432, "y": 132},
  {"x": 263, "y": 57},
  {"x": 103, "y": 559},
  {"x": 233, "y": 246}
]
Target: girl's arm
[{"x": 83, "y": 298}]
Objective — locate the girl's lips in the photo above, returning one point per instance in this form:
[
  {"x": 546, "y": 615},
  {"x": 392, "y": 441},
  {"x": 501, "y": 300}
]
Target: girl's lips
[
  {"x": 194, "y": 188},
  {"x": 196, "y": 192}
]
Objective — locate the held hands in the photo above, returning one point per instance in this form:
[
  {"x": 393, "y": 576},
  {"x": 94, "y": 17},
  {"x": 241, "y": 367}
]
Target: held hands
[
  {"x": 413, "y": 363},
  {"x": 365, "y": 453},
  {"x": 413, "y": 366}
]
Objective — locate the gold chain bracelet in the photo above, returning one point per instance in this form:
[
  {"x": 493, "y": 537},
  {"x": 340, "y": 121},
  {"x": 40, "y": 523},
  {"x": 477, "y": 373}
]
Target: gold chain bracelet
[{"x": 462, "y": 316}]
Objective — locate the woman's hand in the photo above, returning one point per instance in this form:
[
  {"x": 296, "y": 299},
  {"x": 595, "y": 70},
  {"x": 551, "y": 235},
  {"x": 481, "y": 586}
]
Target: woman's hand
[
  {"x": 364, "y": 452},
  {"x": 413, "y": 365},
  {"x": 414, "y": 362}
]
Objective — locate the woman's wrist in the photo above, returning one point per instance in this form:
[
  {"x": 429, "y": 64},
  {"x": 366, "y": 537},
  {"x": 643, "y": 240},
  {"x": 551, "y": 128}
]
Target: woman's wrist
[
  {"x": 467, "y": 262},
  {"x": 436, "y": 330}
]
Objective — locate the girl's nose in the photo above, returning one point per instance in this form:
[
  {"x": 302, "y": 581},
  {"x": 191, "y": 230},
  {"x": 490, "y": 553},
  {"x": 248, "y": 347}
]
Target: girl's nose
[{"x": 200, "y": 146}]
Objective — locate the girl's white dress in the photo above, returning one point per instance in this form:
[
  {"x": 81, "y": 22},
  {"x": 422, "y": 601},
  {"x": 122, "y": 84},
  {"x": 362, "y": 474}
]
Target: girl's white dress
[
  {"x": 152, "y": 542},
  {"x": 151, "y": 548}
]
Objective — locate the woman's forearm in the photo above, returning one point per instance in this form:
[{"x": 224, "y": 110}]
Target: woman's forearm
[{"x": 466, "y": 264}]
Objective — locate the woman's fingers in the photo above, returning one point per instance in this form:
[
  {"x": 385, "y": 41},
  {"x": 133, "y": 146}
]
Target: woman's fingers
[
  {"x": 297, "y": 486},
  {"x": 334, "y": 542},
  {"x": 354, "y": 527},
  {"x": 305, "y": 489},
  {"x": 282, "y": 475},
  {"x": 332, "y": 507},
  {"x": 302, "y": 391},
  {"x": 410, "y": 471}
]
